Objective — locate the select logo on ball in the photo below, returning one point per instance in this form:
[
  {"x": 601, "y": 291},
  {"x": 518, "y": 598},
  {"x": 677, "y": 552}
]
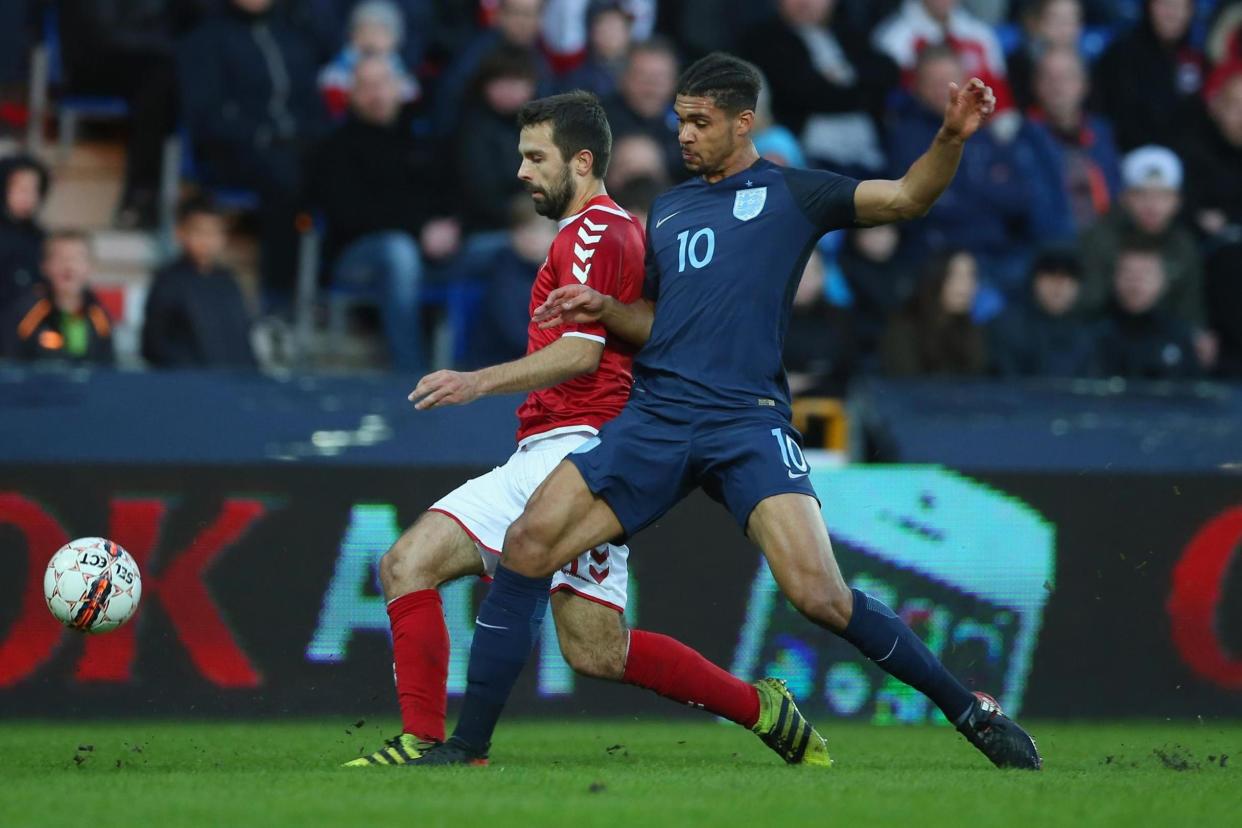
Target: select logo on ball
[{"x": 92, "y": 585}]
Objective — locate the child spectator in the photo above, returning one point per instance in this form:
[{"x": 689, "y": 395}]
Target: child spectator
[
  {"x": 1147, "y": 214},
  {"x": 1046, "y": 338},
  {"x": 376, "y": 29},
  {"x": 25, "y": 185},
  {"x": 1138, "y": 339},
  {"x": 195, "y": 315},
  {"x": 933, "y": 334},
  {"x": 61, "y": 319}
]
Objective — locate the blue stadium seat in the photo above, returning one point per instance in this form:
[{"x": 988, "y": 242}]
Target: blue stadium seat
[
  {"x": 458, "y": 294},
  {"x": 70, "y": 109}
]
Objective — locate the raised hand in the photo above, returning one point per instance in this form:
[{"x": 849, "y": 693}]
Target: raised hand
[
  {"x": 569, "y": 305},
  {"x": 969, "y": 107}
]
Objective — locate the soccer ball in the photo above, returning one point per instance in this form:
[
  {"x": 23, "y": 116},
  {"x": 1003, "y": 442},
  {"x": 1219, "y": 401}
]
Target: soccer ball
[{"x": 92, "y": 585}]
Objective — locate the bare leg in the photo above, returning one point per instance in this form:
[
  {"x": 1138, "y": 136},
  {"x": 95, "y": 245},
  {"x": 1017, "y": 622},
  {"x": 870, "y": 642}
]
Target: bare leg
[{"x": 562, "y": 518}]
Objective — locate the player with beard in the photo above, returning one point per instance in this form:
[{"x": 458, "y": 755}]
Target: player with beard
[
  {"x": 578, "y": 378},
  {"x": 711, "y": 406}
]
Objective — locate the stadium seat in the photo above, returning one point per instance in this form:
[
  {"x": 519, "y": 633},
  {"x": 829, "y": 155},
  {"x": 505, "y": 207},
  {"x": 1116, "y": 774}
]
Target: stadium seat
[
  {"x": 48, "y": 72},
  {"x": 457, "y": 294}
]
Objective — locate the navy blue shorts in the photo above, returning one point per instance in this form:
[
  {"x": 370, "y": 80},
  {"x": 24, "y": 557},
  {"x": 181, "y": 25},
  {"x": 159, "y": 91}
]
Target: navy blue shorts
[{"x": 651, "y": 456}]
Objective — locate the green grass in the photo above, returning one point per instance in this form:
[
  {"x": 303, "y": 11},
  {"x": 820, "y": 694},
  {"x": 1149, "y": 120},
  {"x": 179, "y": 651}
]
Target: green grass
[{"x": 593, "y": 772}]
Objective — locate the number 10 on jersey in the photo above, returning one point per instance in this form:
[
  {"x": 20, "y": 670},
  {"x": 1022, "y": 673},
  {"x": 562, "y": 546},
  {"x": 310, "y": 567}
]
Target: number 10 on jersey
[{"x": 700, "y": 247}]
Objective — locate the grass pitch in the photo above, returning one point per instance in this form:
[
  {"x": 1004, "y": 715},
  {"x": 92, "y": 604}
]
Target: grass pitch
[{"x": 648, "y": 774}]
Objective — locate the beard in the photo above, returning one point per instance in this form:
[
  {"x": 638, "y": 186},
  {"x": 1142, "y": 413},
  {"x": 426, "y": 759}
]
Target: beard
[{"x": 556, "y": 197}]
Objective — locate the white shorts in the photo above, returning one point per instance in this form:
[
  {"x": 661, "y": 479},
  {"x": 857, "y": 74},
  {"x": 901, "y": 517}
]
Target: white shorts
[{"x": 485, "y": 507}]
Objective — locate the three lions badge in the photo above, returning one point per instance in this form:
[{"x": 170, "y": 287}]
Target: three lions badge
[{"x": 749, "y": 203}]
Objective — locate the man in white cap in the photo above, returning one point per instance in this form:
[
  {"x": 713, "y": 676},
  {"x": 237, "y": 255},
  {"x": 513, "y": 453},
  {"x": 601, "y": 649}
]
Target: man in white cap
[{"x": 1146, "y": 213}]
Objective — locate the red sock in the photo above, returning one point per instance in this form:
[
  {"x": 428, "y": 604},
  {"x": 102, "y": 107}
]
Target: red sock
[
  {"x": 420, "y": 656},
  {"x": 677, "y": 672}
]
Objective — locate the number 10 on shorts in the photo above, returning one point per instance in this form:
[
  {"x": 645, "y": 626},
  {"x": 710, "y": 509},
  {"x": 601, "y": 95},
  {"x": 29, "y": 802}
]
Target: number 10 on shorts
[{"x": 791, "y": 453}]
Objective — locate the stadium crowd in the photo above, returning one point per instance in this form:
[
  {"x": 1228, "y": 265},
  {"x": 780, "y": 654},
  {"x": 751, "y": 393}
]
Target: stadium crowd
[{"x": 1095, "y": 229}]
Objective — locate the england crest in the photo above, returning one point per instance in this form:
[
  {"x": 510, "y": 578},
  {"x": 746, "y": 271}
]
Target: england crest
[{"x": 749, "y": 203}]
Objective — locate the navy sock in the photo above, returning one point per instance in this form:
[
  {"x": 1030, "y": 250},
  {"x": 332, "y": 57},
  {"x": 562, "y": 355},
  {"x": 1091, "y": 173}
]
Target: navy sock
[
  {"x": 885, "y": 639},
  {"x": 506, "y": 631}
]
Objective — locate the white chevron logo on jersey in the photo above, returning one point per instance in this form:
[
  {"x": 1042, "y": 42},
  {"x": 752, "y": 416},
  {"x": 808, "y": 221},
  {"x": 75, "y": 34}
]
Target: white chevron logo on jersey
[{"x": 582, "y": 267}]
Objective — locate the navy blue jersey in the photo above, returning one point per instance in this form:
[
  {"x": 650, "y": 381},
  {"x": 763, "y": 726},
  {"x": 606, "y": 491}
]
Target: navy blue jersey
[{"x": 723, "y": 262}]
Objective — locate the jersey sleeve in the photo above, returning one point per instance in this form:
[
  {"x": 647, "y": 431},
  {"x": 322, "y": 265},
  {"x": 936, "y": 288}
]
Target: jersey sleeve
[
  {"x": 825, "y": 198},
  {"x": 595, "y": 255}
]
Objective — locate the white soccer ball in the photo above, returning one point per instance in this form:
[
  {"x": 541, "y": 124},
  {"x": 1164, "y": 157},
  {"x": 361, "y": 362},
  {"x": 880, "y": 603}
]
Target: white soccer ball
[{"x": 92, "y": 585}]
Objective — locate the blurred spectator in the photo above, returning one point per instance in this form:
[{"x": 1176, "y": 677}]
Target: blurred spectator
[
  {"x": 933, "y": 334},
  {"x": 1224, "y": 42},
  {"x": 819, "y": 346},
  {"x": 1146, "y": 81},
  {"x": 828, "y": 85},
  {"x": 517, "y": 27},
  {"x": 636, "y": 156},
  {"x": 567, "y": 27},
  {"x": 1212, "y": 150},
  {"x": 923, "y": 23},
  {"x": 502, "y": 332},
  {"x": 610, "y": 29},
  {"x": 774, "y": 141},
  {"x": 1049, "y": 25},
  {"x": 1074, "y": 174},
  {"x": 1045, "y": 338},
  {"x": 423, "y": 23},
  {"x": 992, "y": 12},
  {"x": 25, "y": 183},
  {"x": 1147, "y": 214},
  {"x": 644, "y": 101},
  {"x": 62, "y": 318},
  {"x": 380, "y": 189},
  {"x": 248, "y": 93},
  {"x": 195, "y": 315},
  {"x": 1223, "y": 292},
  {"x": 987, "y": 207},
  {"x": 702, "y": 26},
  {"x": 1138, "y": 339},
  {"x": 879, "y": 279},
  {"x": 126, "y": 48},
  {"x": 637, "y": 195},
  {"x": 486, "y": 144},
  {"x": 376, "y": 29}
]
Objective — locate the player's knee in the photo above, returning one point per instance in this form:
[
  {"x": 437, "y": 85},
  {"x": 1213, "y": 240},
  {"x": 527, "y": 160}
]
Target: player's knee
[
  {"x": 406, "y": 567},
  {"x": 527, "y": 549},
  {"x": 827, "y": 605}
]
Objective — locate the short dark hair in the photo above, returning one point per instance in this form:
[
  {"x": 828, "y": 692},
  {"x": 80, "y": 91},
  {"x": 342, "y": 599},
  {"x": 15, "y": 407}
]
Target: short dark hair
[
  {"x": 732, "y": 83},
  {"x": 578, "y": 123},
  {"x": 1057, "y": 260},
  {"x": 198, "y": 205}
]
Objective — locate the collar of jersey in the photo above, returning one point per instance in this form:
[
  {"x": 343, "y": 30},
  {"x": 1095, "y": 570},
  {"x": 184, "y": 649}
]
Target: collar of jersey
[{"x": 600, "y": 202}]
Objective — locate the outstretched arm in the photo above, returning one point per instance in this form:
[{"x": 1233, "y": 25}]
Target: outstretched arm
[
  {"x": 564, "y": 359},
  {"x": 579, "y": 304},
  {"x": 880, "y": 201}
]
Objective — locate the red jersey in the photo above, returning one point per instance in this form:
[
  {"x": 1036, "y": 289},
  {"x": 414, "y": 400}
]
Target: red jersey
[{"x": 601, "y": 247}]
